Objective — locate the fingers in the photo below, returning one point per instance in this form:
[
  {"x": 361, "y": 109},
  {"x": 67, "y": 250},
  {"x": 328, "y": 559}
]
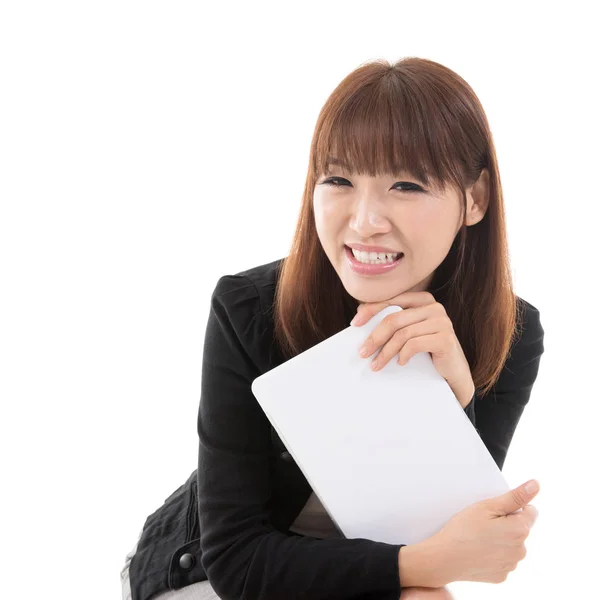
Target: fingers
[
  {"x": 526, "y": 517},
  {"x": 366, "y": 310},
  {"x": 391, "y": 324},
  {"x": 515, "y": 499},
  {"x": 399, "y": 341}
]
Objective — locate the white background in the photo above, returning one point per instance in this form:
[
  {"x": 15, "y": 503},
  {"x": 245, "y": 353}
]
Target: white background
[{"x": 147, "y": 148}]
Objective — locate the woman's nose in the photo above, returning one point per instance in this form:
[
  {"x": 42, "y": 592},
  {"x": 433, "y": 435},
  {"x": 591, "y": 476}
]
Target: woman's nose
[{"x": 369, "y": 219}]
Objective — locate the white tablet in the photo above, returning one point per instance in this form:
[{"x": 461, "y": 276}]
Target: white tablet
[{"x": 391, "y": 454}]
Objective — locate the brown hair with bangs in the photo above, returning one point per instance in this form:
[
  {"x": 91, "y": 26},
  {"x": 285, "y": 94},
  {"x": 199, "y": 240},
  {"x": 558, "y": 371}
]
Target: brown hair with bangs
[{"x": 419, "y": 116}]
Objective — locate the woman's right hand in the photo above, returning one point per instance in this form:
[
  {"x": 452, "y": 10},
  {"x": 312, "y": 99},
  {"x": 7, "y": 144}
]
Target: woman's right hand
[{"x": 485, "y": 541}]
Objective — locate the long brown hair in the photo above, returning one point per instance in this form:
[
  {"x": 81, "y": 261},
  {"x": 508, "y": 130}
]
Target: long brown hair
[{"x": 415, "y": 115}]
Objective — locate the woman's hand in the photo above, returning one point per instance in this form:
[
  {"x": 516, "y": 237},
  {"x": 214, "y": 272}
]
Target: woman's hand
[
  {"x": 485, "y": 541},
  {"x": 422, "y": 326}
]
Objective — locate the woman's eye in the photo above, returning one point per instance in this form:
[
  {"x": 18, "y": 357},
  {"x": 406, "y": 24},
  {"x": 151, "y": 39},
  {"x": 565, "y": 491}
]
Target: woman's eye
[
  {"x": 407, "y": 186},
  {"x": 332, "y": 180}
]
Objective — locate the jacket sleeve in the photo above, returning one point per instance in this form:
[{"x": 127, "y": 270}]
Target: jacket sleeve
[
  {"x": 498, "y": 412},
  {"x": 470, "y": 409},
  {"x": 244, "y": 556}
]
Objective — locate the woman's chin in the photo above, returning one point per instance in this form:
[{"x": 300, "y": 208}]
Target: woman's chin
[{"x": 370, "y": 292}]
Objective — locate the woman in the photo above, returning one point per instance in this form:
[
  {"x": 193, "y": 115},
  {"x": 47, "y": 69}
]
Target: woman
[{"x": 402, "y": 163}]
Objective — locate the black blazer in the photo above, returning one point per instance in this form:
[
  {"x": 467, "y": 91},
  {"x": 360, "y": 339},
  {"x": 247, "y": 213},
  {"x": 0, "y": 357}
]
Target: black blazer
[{"x": 229, "y": 521}]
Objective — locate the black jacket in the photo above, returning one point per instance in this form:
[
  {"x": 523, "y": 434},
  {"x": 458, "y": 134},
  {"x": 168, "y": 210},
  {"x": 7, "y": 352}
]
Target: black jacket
[{"x": 229, "y": 521}]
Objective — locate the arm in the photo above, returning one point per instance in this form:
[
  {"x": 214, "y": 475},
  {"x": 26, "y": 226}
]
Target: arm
[
  {"x": 498, "y": 412},
  {"x": 244, "y": 556},
  {"x": 496, "y": 416},
  {"x": 420, "y": 565}
]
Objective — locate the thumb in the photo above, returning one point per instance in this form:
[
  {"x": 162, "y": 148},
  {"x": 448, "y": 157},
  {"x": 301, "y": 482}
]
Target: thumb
[{"x": 515, "y": 499}]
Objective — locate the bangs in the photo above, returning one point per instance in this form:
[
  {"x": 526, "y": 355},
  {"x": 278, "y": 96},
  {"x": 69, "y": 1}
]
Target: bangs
[{"x": 390, "y": 126}]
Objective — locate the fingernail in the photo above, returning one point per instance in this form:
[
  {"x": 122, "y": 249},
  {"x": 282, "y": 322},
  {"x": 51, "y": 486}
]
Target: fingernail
[
  {"x": 375, "y": 365},
  {"x": 364, "y": 351},
  {"x": 531, "y": 486}
]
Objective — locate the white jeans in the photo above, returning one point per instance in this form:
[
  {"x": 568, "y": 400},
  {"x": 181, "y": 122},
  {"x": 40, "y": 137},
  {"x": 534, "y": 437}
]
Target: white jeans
[{"x": 197, "y": 591}]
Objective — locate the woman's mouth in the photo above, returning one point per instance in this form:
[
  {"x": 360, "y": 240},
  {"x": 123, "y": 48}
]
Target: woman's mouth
[{"x": 371, "y": 263}]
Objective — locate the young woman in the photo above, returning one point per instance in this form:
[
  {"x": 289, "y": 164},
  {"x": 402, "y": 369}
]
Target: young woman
[{"x": 402, "y": 205}]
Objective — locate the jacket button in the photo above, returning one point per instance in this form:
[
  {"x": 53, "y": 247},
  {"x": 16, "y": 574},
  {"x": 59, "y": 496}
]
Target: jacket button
[
  {"x": 186, "y": 561},
  {"x": 286, "y": 456}
]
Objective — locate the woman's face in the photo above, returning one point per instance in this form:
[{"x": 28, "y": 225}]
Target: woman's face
[{"x": 398, "y": 214}]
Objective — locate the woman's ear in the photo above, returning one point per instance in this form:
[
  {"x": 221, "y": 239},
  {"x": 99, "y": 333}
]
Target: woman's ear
[{"x": 478, "y": 198}]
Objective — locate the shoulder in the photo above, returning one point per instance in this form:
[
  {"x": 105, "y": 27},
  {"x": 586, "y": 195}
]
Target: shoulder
[
  {"x": 521, "y": 365},
  {"x": 530, "y": 332},
  {"x": 241, "y": 311},
  {"x": 527, "y": 346},
  {"x": 252, "y": 289}
]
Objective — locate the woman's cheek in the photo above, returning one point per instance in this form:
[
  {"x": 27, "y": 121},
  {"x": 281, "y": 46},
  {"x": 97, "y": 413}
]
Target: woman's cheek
[{"x": 327, "y": 213}]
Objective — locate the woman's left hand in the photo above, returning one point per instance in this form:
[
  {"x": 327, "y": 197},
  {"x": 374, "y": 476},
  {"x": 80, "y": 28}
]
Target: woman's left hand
[{"x": 422, "y": 326}]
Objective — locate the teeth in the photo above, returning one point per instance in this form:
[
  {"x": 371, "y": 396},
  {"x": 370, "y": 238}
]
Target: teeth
[{"x": 374, "y": 258}]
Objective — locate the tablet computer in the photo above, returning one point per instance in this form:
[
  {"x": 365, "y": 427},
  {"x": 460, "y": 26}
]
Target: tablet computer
[{"x": 390, "y": 454}]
